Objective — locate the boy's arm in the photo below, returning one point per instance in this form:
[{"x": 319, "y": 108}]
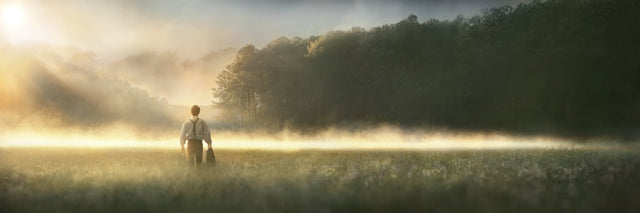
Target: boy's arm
[{"x": 207, "y": 134}]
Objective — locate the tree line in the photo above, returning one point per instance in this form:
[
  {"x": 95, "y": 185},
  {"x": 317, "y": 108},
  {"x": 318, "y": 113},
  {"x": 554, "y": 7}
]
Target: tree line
[{"x": 556, "y": 67}]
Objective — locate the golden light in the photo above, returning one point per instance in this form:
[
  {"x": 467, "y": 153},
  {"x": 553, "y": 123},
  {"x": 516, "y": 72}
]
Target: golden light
[
  {"x": 238, "y": 141},
  {"x": 13, "y": 15}
]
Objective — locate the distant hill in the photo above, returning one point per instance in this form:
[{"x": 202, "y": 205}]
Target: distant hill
[{"x": 168, "y": 75}]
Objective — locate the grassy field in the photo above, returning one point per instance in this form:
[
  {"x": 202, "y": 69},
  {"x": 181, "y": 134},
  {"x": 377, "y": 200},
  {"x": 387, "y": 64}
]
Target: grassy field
[{"x": 157, "y": 180}]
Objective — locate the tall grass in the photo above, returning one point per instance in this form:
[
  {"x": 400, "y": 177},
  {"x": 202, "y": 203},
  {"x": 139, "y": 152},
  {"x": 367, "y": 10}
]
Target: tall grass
[{"x": 158, "y": 180}]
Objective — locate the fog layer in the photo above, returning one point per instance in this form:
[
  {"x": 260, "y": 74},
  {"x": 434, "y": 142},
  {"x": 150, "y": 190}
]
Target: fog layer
[{"x": 46, "y": 87}]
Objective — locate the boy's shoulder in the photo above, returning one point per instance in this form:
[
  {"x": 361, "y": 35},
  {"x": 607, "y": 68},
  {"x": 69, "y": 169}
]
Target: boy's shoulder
[{"x": 189, "y": 120}]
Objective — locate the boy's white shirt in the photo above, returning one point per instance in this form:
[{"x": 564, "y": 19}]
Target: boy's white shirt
[{"x": 187, "y": 126}]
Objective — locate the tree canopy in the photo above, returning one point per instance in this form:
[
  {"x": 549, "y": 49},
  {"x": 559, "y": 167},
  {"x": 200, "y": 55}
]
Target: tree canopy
[{"x": 557, "y": 67}]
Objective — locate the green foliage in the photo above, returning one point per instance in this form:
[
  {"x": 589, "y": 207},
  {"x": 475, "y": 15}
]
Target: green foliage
[
  {"x": 157, "y": 180},
  {"x": 559, "y": 67}
]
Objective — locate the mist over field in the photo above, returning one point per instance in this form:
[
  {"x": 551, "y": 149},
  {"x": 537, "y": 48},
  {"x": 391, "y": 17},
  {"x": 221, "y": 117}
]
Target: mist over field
[{"x": 48, "y": 89}]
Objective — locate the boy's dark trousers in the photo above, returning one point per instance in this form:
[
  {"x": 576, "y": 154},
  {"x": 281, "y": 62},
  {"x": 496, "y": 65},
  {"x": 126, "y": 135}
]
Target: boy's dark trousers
[{"x": 194, "y": 151}]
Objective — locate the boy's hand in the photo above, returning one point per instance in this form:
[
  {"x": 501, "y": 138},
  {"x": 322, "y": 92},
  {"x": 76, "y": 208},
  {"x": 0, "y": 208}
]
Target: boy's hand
[
  {"x": 210, "y": 146},
  {"x": 182, "y": 149}
]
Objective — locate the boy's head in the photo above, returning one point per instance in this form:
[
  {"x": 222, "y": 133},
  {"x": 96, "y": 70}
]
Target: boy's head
[{"x": 195, "y": 110}]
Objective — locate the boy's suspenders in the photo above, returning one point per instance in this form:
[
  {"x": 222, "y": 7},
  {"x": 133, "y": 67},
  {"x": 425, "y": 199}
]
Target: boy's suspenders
[{"x": 194, "y": 128}]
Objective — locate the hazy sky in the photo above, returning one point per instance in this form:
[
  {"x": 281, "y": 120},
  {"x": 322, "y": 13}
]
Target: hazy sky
[{"x": 116, "y": 28}]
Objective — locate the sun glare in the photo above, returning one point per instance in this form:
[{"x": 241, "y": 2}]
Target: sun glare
[{"x": 13, "y": 15}]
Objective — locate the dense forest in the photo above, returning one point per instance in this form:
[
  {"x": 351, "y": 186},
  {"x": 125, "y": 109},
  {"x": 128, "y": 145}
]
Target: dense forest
[{"x": 559, "y": 67}]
